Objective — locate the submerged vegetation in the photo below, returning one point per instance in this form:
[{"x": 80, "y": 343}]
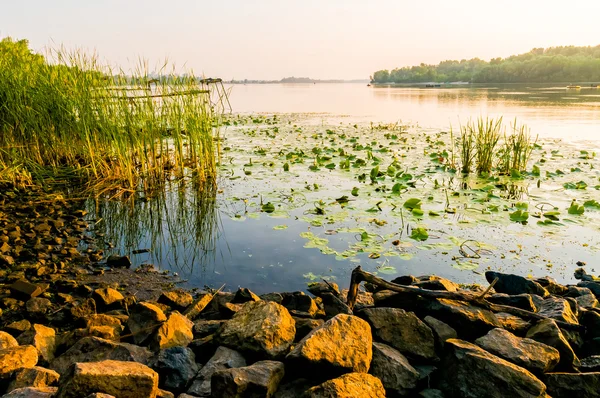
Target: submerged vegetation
[
  {"x": 67, "y": 118},
  {"x": 555, "y": 64}
]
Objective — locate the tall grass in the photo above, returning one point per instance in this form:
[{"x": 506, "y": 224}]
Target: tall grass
[
  {"x": 516, "y": 149},
  {"x": 67, "y": 117}
]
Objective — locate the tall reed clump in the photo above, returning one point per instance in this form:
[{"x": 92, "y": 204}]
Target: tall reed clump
[
  {"x": 481, "y": 146},
  {"x": 66, "y": 117}
]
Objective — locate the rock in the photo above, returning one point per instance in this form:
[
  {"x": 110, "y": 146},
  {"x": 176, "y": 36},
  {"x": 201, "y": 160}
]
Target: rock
[
  {"x": 514, "y": 284},
  {"x": 16, "y": 328},
  {"x": 300, "y": 302},
  {"x": 513, "y": 323},
  {"x": 261, "y": 328},
  {"x": 349, "y": 385},
  {"x": 228, "y": 310},
  {"x": 432, "y": 282},
  {"x": 402, "y": 330},
  {"x": 41, "y": 337},
  {"x": 244, "y": 295},
  {"x": 441, "y": 330},
  {"x": 342, "y": 344},
  {"x": 552, "y": 286},
  {"x": 319, "y": 288},
  {"x": 165, "y": 394},
  {"x": 104, "y": 320},
  {"x": 522, "y": 301},
  {"x": 107, "y": 297},
  {"x": 305, "y": 326},
  {"x": 203, "y": 328},
  {"x": 91, "y": 349},
  {"x": 471, "y": 372},
  {"x": 24, "y": 290},
  {"x": 176, "y": 367},
  {"x": 144, "y": 319},
  {"x": 224, "y": 358},
  {"x": 258, "y": 380},
  {"x": 547, "y": 332},
  {"x": 7, "y": 341},
  {"x": 32, "y": 392},
  {"x": 532, "y": 355},
  {"x": 580, "y": 385},
  {"x": 33, "y": 377},
  {"x": 176, "y": 331},
  {"x": 37, "y": 307},
  {"x": 590, "y": 364},
  {"x": 591, "y": 347},
  {"x": 116, "y": 261},
  {"x": 559, "y": 309},
  {"x": 393, "y": 369},
  {"x": 585, "y": 297},
  {"x": 593, "y": 286},
  {"x": 199, "y": 304},
  {"x": 100, "y": 395},
  {"x": 15, "y": 358},
  {"x": 176, "y": 299},
  {"x": 203, "y": 348},
  {"x": 334, "y": 306},
  {"x": 276, "y": 297},
  {"x": 121, "y": 379}
]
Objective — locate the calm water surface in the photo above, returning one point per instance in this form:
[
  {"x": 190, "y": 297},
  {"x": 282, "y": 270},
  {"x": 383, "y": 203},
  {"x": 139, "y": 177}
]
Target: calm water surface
[{"x": 202, "y": 240}]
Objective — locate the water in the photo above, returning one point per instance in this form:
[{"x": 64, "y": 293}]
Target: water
[{"x": 222, "y": 237}]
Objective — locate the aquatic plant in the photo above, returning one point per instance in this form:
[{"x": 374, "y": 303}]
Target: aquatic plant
[
  {"x": 516, "y": 149},
  {"x": 66, "y": 117}
]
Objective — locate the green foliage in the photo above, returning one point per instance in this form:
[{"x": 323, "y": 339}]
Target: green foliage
[{"x": 555, "y": 64}]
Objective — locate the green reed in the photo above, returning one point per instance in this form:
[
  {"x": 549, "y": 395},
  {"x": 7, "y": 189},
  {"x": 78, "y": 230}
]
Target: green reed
[
  {"x": 68, "y": 117},
  {"x": 516, "y": 149}
]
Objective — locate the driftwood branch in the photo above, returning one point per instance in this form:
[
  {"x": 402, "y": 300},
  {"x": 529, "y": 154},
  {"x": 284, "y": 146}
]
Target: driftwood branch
[{"x": 358, "y": 276}]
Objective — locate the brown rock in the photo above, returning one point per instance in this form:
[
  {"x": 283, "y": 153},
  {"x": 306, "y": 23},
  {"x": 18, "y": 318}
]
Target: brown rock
[
  {"x": 41, "y": 337},
  {"x": 32, "y": 392},
  {"x": 513, "y": 323},
  {"x": 402, "y": 330},
  {"x": 38, "y": 307},
  {"x": 176, "y": 331},
  {"x": 199, "y": 304},
  {"x": 441, "y": 330},
  {"x": 176, "y": 299},
  {"x": 203, "y": 328},
  {"x": 34, "y": 377},
  {"x": 343, "y": 343},
  {"x": 15, "y": 358},
  {"x": 262, "y": 328},
  {"x": 144, "y": 319},
  {"x": 24, "y": 289},
  {"x": 121, "y": 379},
  {"x": 258, "y": 380},
  {"x": 244, "y": 295},
  {"x": 392, "y": 368},
  {"x": 83, "y": 310},
  {"x": 107, "y": 296},
  {"x": 16, "y": 328},
  {"x": 559, "y": 309},
  {"x": 7, "y": 341},
  {"x": 349, "y": 385},
  {"x": 547, "y": 332},
  {"x": 305, "y": 326},
  {"x": 571, "y": 385}
]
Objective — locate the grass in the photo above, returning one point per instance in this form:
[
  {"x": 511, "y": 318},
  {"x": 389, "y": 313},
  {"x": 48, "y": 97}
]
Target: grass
[
  {"x": 66, "y": 118},
  {"x": 516, "y": 149}
]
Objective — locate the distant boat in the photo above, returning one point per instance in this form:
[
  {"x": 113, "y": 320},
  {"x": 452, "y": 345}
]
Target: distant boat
[
  {"x": 368, "y": 84},
  {"x": 432, "y": 85},
  {"x": 573, "y": 87}
]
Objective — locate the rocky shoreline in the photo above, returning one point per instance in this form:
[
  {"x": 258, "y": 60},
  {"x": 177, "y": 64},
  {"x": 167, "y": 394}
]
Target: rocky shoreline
[{"x": 68, "y": 328}]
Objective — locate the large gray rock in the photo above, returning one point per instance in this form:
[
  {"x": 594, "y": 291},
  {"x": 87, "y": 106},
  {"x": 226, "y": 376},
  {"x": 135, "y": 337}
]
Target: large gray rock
[
  {"x": 92, "y": 349},
  {"x": 515, "y": 284},
  {"x": 571, "y": 385},
  {"x": 224, "y": 358},
  {"x": 401, "y": 330},
  {"x": 349, "y": 385},
  {"x": 258, "y": 380},
  {"x": 261, "y": 328},
  {"x": 121, "y": 379},
  {"x": 144, "y": 319},
  {"x": 527, "y": 353},
  {"x": 441, "y": 331},
  {"x": 392, "y": 368},
  {"x": 559, "y": 309},
  {"x": 176, "y": 367},
  {"x": 471, "y": 372},
  {"x": 342, "y": 344},
  {"x": 14, "y": 358},
  {"x": 547, "y": 332}
]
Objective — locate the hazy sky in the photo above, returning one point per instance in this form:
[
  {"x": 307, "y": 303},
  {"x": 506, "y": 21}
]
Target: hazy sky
[{"x": 271, "y": 39}]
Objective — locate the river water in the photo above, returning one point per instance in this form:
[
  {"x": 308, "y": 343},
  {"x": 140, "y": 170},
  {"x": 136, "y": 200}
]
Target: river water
[{"x": 225, "y": 239}]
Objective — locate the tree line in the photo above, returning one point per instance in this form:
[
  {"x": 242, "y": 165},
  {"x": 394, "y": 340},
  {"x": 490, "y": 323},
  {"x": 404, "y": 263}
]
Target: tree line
[{"x": 554, "y": 64}]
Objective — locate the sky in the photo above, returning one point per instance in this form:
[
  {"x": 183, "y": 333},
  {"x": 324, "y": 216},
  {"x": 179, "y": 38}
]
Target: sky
[{"x": 321, "y": 39}]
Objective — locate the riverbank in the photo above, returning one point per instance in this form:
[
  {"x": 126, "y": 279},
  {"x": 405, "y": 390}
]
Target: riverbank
[{"x": 75, "y": 323}]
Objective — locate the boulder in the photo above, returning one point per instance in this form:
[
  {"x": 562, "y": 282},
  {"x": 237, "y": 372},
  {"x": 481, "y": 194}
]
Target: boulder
[
  {"x": 334, "y": 305},
  {"x": 261, "y": 379},
  {"x": 261, "y": 328},
  {"x": 559, "y": 309},
  {"x": 144, "y": 319},
  {"x": 176, "y": 367},
  {"x": 41, "y": 337},
  {"x": 24, "y": 290},
  {"x": 349, "y": 385},
  {"x": 116, "y": 261},
  {"x": 401, "y": 330},
  {"x": 197, "y": 306},
  {"x": 32, "y": 392},
  {"x": 224, "y": 358},
  {"x": 14, "y": 358},
  {"x": 18, "y": 327},
  {"x": 7, "y": 341},
  {"x": 432, "y": 282},
  {"x": 299, "y": 303},
  {"x": 431, "y": 393},
  {"x": 392, "y": 368},
  {"x": 532, "y": 355},
  {"x": 441, "y": 330},
  {"x": 38, "y": 307},
  {"x": 552, "y": 286},
  {"x": 176, "y": 331},
  {"x": 101, "y": 395},
  {"x": 121, "y": 379},
  {"x": 244, "y": 295},
  {"x": 471, "y": 372},
  {"x": 590, "y": 364},
  {"x": 305, "y": 326},
  {"x": 106, "y": 297},
  {"x": 515, "y": 284},
  {"x": 342, "y": 344},
  {"x": 203, "y": 327},
  {"x": 593, "y": 286},
  {"x": 522, "y": 301},
  {"x": 33, "y": 377},
  {"x": 571, "y": 385},
  {"x": 276, "y": 297},
  {"x": 203, "y": 348},
  {"x": 513, "y": 323},
  {"x": 176, "y": 299},
  {"x": 83, "y": 310},
  {"x": 318, "y": 288},
  {"x": 547, "y": 332},
  {"x": 92, "y": 349}
]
